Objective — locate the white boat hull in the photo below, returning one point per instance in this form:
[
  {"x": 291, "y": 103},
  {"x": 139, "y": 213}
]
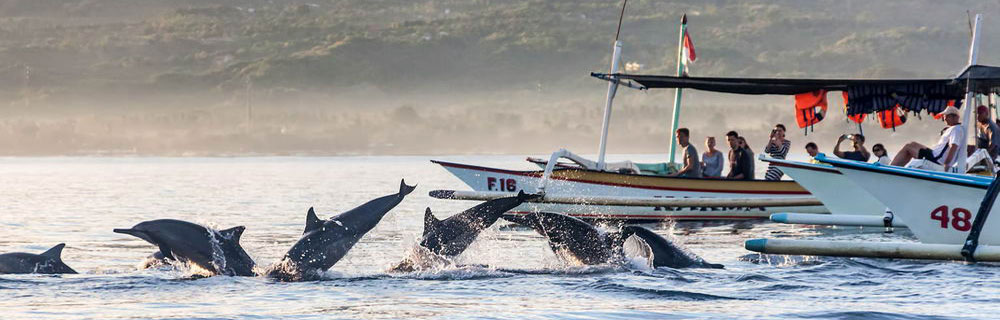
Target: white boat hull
[
  {"x": 561, "y": 183},
  {"x": 837, "y": 192},
  {"x": 936, "y": 208}
]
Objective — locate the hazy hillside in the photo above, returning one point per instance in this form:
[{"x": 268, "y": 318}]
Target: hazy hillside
[{"x": 424, "y": 76}]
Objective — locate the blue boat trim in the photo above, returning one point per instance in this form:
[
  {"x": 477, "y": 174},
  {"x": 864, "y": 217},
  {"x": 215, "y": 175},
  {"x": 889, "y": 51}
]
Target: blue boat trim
[{"x": 943, "y": 177}]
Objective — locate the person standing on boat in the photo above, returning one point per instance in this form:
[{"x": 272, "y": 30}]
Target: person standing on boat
[
  {"x": 860, "y": 153},
  {"x": 987, "y": 132},
  {"x": 812, "y": 149},
  {"x": 712, "y": 160},
  {"x": 882, "y": 157},
  {"x": 692, "y": 167},
  {"x": 944, "y": 153},
  {"x": 749, "y": 152},
  {"x": 777, "y": 148},
  {"x": 740, "y": 159}
]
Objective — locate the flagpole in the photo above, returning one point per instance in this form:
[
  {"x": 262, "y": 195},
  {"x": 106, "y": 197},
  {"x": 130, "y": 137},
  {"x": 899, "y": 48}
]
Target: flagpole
[
  {"x": 677, "y": 92},
  {"x": 967, "y": 119}
]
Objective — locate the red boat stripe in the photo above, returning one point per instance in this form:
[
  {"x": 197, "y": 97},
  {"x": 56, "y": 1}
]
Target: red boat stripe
[
  {"x": 539, "y": 174},
  {"x": 642, "y": 216}
]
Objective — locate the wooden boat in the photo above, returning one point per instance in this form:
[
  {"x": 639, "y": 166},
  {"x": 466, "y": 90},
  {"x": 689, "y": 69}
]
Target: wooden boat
[{"x": 585, "y": 183}]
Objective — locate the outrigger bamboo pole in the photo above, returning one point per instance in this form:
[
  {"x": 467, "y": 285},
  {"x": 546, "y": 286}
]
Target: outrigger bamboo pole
[
  {"x": 634, "y": 201},
  {"x": 896, "y": 250}
]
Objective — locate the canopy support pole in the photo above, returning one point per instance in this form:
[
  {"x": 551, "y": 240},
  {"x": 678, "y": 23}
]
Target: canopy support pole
[
  {"x": 677, "y": 92},
  {"x": 612, "y": 88},
  {"x": 967, "y": 119}
]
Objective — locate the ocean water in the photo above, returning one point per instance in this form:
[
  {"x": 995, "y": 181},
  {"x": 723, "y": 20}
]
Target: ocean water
[{"x": 507, "y": 273}]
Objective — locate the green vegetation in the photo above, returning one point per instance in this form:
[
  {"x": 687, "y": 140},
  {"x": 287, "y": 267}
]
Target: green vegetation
[{"x": 173, "y": 76}]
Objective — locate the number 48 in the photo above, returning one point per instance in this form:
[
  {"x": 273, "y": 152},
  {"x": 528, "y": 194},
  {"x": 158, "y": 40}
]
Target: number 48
[{"x": 959, "y": 218}]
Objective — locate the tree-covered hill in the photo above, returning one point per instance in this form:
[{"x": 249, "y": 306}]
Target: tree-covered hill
[{"x": 96, "y": 57}]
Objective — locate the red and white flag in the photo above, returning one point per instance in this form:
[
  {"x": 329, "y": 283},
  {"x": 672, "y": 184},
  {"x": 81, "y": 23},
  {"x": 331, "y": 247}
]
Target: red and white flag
[
  {"x": 688, "y": 49},
  {"x": 687, "y": 52}
]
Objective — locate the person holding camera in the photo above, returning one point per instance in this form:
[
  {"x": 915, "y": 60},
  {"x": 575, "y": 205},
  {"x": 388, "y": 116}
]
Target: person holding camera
[
  {"x": 777, "y": 147},
  {"x": 860, "y": 153}
]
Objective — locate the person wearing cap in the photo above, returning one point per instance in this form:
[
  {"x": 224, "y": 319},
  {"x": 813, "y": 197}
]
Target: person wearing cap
[
  {"x": 944, "y": 152},
  {"x": 987, "y": 131}
]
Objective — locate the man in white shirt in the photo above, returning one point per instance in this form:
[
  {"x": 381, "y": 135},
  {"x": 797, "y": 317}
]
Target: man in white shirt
[{"x": 944, "y": 152}]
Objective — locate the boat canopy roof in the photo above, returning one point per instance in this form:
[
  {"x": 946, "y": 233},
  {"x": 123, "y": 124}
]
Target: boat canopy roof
[{"x": 867, "y": 95}]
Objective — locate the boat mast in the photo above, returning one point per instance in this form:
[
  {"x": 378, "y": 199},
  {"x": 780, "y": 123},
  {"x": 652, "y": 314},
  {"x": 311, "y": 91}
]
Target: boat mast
[
  {"x": 677, "y": 92},
  {"x": 969, "y": 103},
  {"x": 612, "y": 88}
]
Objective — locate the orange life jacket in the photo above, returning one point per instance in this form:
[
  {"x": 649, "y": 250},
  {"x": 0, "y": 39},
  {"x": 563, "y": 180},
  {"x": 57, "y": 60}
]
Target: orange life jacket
[
  {"x": 810, "y": 108},
  {"x": 892, "y": 118}
]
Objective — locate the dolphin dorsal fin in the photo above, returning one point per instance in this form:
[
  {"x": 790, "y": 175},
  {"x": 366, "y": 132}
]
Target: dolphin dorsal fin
[
  {"x": 233, "y": 233},
  {"x": 430, "y": 222},
  {"x": 312, "y": 221},
  {"x": 55, "y": 252}
]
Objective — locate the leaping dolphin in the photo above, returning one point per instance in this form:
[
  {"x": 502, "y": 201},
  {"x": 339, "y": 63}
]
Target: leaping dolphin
[
  {"x": 324, "y": 242},
  {"x": 450, "y": 237},
  {"x": 578, "y": 240},
  {"x": 48, "y": 262},
  {"x": 217, "y": 252}
]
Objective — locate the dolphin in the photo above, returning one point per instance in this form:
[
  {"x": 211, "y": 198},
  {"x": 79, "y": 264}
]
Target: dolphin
[
  {"x": 577, "y": 240},
  {"x": 48, "y": 262},
  {"x": 450, "y": 237},
  {"x": 324, "y": 242},
  {"x": 662, "y": 253},
  {"x": 215, "y": 251}
]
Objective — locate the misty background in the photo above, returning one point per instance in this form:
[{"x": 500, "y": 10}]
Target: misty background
[{"x": 359, "y": 77}]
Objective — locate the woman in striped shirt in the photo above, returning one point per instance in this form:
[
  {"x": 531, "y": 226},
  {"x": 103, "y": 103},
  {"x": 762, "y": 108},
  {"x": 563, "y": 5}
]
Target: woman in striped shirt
[{"x": 777, "y": 148}]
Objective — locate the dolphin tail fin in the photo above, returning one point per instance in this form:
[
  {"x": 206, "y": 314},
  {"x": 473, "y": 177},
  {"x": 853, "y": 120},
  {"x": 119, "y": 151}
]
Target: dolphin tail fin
[
  {"x": 312, "y": 221},
  {"x": 233, "y": 233},
  {"x": 521, "y": 196},
  {"x": 405, "y": 189},
  {"x": 55, "y": 252},
  {"x": 430, "y": 222}
]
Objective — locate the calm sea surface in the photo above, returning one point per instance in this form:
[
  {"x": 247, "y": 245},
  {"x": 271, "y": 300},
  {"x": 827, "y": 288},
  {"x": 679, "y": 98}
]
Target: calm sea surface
[{"x": 511, "y": 273}]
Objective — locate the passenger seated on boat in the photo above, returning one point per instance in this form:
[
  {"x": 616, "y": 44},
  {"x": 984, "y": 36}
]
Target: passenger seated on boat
[
  {"x": 777, "y": 147},
  {"x": 944, "y": 153},
  {"x": 692, "y": 167},
  {"x": 882, "y": 157},
  {"x": 712, "y": 160},
  {"x": 860, "y": 153},
  {"x": 749, "y": 152},
  {"x": 740, "y": 159},
  {"x": 812, "y": 149},
  {"x": 987, "y": 132}
]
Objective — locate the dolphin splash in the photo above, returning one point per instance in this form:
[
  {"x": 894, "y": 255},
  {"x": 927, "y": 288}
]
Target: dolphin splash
[
  {"x": 577, "y": 240},
  {"x": 450, "y": 237},
  {"x": 217, "y": 252},
  {"x": 324, "y": 242}
]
